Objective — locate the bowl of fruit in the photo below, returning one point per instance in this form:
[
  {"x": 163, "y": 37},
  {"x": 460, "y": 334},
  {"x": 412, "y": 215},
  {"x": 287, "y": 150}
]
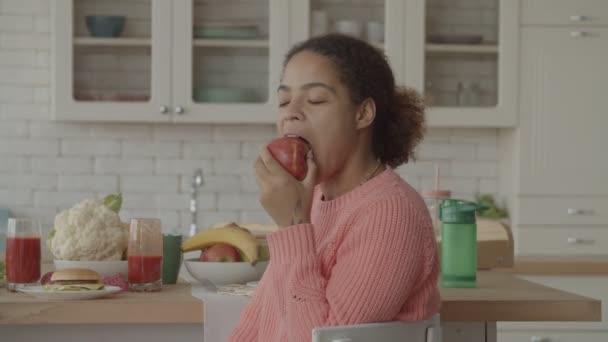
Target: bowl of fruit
[{"x": 230, "y": 254}]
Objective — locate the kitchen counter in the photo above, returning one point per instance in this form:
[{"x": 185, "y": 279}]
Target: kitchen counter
[
  {"x": 174, "y": 304},
  {"x": 500, "y": 296}
]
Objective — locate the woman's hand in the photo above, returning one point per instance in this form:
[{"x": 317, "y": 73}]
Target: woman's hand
[{"x": 285, "y": 199}]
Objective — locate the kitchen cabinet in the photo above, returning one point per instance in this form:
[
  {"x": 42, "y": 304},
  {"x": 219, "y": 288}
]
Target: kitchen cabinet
[
  {"x": 591, "y": 286},
  {"x": 564, "y": 12},
  {"x": 563, "y": 117},
  {"x": 175, "y": 61},
  {"x": 220, "y": 61},
  {"x": 552, "y": 336},
  {"x": 112, "y": 79},
  {"x": 554, "y": 164},
  {"x": 462, "y": 56}
]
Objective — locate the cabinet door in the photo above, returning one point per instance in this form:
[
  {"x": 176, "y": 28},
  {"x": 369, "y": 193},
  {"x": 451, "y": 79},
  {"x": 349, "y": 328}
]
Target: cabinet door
[
  {"x": 381, "y": 23},
  {"x": 563, "y": 115},
  {"x": 465, "y": 61},
  {"x": 552, "y": 336},
  {"x": 112, "y": 60},
  {"x": 227, "y": 59}
]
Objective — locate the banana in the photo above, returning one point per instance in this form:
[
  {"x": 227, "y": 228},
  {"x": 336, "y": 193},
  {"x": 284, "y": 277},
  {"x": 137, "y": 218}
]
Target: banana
[{"x": 231, "y": 234}]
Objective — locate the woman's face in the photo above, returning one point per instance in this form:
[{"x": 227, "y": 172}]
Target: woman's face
[{"x": 315, "y": 105}]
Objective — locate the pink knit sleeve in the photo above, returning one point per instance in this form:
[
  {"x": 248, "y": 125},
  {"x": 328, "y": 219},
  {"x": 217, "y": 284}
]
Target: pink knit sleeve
[
  {"x": 381, "y": 261},
  {"x": 247, "y": 328}
]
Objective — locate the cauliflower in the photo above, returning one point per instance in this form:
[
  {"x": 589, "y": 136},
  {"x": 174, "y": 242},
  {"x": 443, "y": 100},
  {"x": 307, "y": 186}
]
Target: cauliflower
[{"x": 89, "y": 231}]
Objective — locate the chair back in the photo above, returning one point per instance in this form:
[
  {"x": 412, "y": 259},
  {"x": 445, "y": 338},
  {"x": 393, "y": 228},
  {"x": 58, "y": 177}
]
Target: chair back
[{"x": 417, "y": 331}]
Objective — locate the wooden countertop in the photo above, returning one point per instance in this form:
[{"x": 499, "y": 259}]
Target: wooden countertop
[
  {"x": 500, "y": 296},
  {"x": 174, "y": 304},
  {"x": 561, "y": 265}
]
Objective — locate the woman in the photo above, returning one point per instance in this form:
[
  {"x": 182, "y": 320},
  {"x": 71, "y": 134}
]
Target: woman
[{"x": 355, "y": 243}]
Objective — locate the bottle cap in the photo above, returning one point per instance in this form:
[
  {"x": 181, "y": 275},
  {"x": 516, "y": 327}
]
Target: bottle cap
[{"x": 459, "y": 211}]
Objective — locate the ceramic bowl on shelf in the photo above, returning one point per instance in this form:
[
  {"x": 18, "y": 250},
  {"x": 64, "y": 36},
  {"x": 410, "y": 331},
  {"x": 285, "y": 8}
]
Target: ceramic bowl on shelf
[
  {"x": 223, "y": 95},
  {"x": 225, "y": 31},
  {"x": 225, "y": 273},
  {"x": 103, "y": 268},
  {"x": 105, "y": 25}
]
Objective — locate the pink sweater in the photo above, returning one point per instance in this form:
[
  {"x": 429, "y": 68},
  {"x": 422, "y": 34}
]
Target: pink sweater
[{"x": 368, "y": 256}]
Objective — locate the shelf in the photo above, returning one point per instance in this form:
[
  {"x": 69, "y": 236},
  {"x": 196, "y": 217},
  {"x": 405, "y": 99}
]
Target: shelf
[
  {"x": 236, "y": 43},
  {"x": 95, "y": 41},
  {"x": 462, "y": 48}
]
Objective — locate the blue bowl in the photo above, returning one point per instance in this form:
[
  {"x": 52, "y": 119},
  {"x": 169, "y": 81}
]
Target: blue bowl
[{"x": 105, "y": 25}]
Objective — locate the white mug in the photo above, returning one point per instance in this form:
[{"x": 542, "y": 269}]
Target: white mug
[
  {"x": 375, "y": 32},
  {"x": 349, "y": 27}
]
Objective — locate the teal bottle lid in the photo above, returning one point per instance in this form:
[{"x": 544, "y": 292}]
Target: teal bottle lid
[{"x": 459, "y": 211}]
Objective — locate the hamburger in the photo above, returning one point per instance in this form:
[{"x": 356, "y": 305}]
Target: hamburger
[{"x": 74, "y": 279}]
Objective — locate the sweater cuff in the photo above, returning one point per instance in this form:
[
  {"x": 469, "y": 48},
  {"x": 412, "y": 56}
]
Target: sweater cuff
[{"x": 287, "y": 243}]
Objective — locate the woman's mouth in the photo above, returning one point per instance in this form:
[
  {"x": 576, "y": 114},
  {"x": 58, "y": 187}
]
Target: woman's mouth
[{"x": 292, "y": 135}]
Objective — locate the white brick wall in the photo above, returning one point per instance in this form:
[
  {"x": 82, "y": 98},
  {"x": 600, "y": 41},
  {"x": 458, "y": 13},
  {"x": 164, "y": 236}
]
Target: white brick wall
[{"x": 47, "y": 166}]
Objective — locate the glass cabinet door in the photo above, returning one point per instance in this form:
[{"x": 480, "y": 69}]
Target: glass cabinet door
[
  {"x": 461, "y": 66},
  {"x": 469, "y": 63},
  {"x": 379, "y": 22},
  {"x": 227, "y": 59},
  {"x": 113, "y": 60},
  {"x": 360, "y": 19}
]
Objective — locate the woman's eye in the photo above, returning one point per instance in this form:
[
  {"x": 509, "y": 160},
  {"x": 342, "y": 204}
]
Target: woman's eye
[
  {"x": 283, "y": 104},
  {"x": 316, "y": 102}
]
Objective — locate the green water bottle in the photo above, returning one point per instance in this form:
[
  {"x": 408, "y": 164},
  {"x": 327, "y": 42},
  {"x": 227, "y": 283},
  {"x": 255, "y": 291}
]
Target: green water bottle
[{"x": 458, "y": 243}]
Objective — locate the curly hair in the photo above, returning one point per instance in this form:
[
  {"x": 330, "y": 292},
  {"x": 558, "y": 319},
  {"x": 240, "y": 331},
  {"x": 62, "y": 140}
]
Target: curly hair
[{"x": 399, "y": 124}]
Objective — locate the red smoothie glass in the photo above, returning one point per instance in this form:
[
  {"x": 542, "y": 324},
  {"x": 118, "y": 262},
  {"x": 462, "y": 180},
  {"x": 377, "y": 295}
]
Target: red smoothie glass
[
  {"x": 22, "y": 253},
  {"x": 145, "y": 255}
]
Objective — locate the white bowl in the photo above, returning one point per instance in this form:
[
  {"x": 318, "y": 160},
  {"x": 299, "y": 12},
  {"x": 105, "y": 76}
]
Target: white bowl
[
  {"x": 224, "y": 273},
  {"x": 103, "y": 268}
]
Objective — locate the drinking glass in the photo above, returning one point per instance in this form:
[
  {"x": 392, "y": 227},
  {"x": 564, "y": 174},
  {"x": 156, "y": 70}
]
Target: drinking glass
[
  {"x": 145, "y": 255},
  {"x": 22, "y": 253}
]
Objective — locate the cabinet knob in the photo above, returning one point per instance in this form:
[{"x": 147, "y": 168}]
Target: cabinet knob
[
  {"x": 578, "y": 34},
  {"x": 575, "y": 211},
  {"x": 179, "y": 110},
  {"x": 573, "y": 241},
  {"x": 163, "y": 109},
  {"x": 578, "y": 241},
  {"x": 578, "y": 17}
]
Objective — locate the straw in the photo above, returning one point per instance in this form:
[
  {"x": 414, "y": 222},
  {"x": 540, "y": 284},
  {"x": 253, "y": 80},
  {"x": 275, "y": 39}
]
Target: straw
[{"x": 436, "y": 176}]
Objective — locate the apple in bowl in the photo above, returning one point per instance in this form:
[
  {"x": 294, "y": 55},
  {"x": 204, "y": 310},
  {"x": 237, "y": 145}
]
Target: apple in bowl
[{"x": 220, "y": 252}]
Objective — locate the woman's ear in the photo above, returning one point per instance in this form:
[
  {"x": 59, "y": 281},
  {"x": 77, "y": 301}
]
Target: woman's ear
[{"x": 366, "y": 113}]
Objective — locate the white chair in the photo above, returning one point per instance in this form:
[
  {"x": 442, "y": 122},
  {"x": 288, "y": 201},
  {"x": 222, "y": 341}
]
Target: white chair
[{"x": 418, "y": 331}]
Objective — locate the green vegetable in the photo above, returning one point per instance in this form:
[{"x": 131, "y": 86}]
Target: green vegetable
[
  {"x": 50, "y": 237},
  {"x": 494, "y": 211},
  {"x": 113, "y": 202}
]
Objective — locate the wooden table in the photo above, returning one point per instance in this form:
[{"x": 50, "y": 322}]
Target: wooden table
[{"x": 466, "y": 314}]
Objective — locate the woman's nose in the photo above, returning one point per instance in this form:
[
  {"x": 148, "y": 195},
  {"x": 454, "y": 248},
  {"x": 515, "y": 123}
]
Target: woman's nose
[
  {"x": 292, "y": 112},
  {"x": 294, "y": 115}
]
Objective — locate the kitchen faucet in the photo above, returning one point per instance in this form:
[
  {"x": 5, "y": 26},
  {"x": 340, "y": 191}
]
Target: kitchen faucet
[{"x": 197, "y": 181}]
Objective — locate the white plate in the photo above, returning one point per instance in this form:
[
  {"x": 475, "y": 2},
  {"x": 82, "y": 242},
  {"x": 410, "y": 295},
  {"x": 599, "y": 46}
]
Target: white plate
[{"x": 41, "y": 293}]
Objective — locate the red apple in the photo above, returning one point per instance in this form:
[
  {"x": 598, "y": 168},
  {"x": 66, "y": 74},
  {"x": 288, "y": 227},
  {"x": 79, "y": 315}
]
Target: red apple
[
  {"x": 290, "y": 152},
  {"x": 220, "y": 252}
]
